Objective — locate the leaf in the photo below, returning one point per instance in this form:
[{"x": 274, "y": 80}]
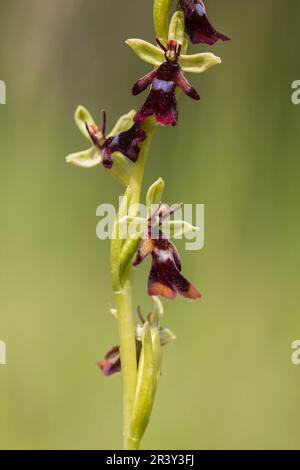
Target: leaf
[
  {"x": 198, "y": 63},
  {"x": 85, "y": 159},
  {"x": 124, "y": 123},
  {"x": 177, "y": 228},
  {"x": 82, "y": 116},
  {"x": 147, "y": 52},
  {"x": 154, "y": 194}
]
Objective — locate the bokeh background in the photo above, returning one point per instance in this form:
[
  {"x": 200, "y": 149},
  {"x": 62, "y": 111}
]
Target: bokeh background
[{"x": 228, "y": 381}]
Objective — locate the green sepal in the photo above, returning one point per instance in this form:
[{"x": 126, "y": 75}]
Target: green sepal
[
  {"x": 147, "y": 52},
  {"x": 124, "y": 123},
  {"x": 198, "y": 63},
  {"x": 154, "y": 194},
  {"x": 178, "y": 228},
  {"x": 82, "y": 116},
  {"x": 177, "y": 27},
  {"x": 85, "y": 159}
]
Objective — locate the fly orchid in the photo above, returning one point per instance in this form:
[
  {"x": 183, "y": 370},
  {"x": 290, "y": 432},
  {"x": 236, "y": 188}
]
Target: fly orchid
[
  {"x": 122, "y": 141},
  {"x": 165, "y": 278},
  {"x": 111, "y": 363},
  {"x": 124, "y": 151},
  {"x": 164, "y": 80}
]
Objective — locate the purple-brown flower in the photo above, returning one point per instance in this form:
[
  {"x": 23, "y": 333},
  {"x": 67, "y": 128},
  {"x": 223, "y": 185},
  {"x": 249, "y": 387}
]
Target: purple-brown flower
[
  {"x": 126, "y": 142},
  {"x": 165, "y": 278},
  {"x": 164, "y": 80},
  {"x": 111, "y": 363},
  {"x": 197, "y": 25}
]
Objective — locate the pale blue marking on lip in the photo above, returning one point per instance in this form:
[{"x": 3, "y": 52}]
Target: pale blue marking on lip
[
  {"x": 164, "y": 255},
  {"x": 163, "y": 85},
  {"x": 200, "y": 9}
]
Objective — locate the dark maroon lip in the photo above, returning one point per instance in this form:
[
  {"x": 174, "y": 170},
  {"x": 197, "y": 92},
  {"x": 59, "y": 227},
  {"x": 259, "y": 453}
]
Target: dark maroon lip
[
  {"x": 161, "y": 101},
  {"x": 126, "y": 142}
]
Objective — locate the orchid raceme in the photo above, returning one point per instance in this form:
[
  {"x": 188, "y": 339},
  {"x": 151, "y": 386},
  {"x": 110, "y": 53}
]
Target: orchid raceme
[{"x": 124, "y": 151}]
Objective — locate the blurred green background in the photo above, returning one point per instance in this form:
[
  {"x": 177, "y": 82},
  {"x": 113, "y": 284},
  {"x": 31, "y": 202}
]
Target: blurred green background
[{"x": 228, "y": 381}]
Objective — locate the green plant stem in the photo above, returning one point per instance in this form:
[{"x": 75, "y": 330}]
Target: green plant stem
[
  {"x": 123, "y": 297},
  {"x": 136, "y": 181},
  {"x": 128, "y": 359}
]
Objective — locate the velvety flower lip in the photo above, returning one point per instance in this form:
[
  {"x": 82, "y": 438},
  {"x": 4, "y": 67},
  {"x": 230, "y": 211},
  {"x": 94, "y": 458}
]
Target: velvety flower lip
[
  {"x": 111, "y": 364},
  {"x": 198, "y": 27},
  {"x": 164, "y": 80},
  {"x": 125, "y": 142},
  {"x": 165, "y": 278}
]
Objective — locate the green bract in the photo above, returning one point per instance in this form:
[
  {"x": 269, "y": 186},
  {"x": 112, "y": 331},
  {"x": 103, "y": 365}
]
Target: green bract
[{"x": 145, "y": 388}]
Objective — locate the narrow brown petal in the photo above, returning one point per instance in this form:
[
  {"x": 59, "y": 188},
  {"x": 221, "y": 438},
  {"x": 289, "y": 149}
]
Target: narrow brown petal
[
  {"x": 143, "y": 82},
  {"x": 144, "y": 249},
  {"x": 186, "y": 87}
]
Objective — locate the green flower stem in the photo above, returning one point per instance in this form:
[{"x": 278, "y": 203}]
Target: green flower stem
[
  {"x": 136, "y": 181},
  {"x": 128, "y": 359},
  {"x": 123, "y": 295}
]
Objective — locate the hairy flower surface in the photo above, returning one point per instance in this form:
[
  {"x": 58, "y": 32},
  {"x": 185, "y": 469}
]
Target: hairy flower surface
[
  {"x": 198, "y": 27},
  {"x": 164, "y": 80}
]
